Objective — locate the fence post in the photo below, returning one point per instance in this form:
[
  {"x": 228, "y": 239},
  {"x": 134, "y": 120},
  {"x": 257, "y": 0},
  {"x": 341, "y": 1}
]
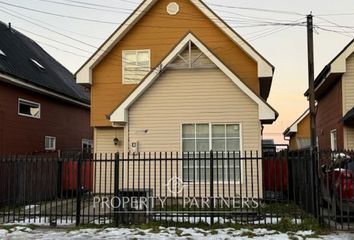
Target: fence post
[
  {"x": 78, "y": 191},
  {"x": 212, "y": 187},
  {"x": 116, "y": 190}
]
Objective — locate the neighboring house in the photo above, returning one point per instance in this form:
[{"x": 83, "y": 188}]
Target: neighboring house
[
  {"x": 334, "y": 90},
  {"x": 298, "y": 133},
  {"x": 175, "y": 78},
  {"x": 41, "y": 106}
]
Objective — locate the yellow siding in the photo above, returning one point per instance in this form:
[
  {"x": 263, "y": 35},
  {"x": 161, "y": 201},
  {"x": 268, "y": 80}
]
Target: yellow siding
[
  {"x": 192, "y": 96},
  {"x": 303, "y": 133}
]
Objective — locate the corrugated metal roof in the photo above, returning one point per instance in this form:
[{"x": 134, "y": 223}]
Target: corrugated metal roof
[{"x": 20, "y": 51}]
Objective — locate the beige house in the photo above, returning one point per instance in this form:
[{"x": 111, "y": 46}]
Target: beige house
[{"x": 177, "y": 87}]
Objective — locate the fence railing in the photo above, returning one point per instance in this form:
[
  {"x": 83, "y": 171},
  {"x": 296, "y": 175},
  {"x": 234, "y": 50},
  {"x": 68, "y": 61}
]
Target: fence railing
[{"x": 207, "y": 187}]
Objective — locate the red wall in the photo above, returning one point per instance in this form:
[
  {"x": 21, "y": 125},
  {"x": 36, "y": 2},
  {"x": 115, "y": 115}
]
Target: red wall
[
  {"x": 329, "y": 114},
  {"x": 67, "y": 122}
]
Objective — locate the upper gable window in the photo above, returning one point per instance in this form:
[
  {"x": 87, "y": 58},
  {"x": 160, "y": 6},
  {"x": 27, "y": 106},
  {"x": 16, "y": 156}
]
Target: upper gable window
[{"x": 136, "y": 65}]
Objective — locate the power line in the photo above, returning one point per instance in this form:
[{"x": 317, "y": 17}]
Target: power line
[
  {"x": 260, "y": 24},
  {"x": 57, "y": 14},
  {"x": 112, "y": 7},
  {"x": 335, "y": 14},
  {"x": 22, "y": 17},
  {"x": 257, "y": 9}
]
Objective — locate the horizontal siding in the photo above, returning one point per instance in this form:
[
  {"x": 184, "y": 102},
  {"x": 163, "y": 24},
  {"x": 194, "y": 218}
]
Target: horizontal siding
[
  {"x": 329, "y": 114},
  {"x": 348, "y": 83},
  {"x": 189, "y": 96},
  {"x": 350, "y": 138},
  {"x": 104, "y": 149},
  {"x": 192, "y": 96}
]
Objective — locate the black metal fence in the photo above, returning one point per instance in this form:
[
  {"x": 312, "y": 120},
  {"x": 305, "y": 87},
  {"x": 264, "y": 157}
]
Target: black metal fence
[{"x": 208, "y": 187}]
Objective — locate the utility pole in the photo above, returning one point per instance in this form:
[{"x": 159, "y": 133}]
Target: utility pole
[
  {"x": 311, "y": 80},
  {"x": 314, "y": 180}
]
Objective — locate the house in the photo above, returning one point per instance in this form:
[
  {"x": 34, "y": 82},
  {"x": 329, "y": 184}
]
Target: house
[
  {"x": 298, "y": 134},
  {"x": 161, "y": 81},
  {"x": 334, "y": 91},
  {"x": 176, "y": 78},
  {"x": 41, "y": 107}
]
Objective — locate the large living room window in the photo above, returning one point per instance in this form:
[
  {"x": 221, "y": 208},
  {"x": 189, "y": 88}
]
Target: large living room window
[
  {"x": 136, "y": 65},
  {"x": 199, "y": 139}
]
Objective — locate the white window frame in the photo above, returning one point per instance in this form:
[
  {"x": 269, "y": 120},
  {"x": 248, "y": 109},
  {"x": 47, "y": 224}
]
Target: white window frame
[
  {"x": 87, "y": 141},
  {"x": 21, "y": 100},
  {"x": 240, "y": 181},
  {"x": 124, "y": 62},
  {"x": 50, "y": 148},
  {"x": 334, "y": 145}
]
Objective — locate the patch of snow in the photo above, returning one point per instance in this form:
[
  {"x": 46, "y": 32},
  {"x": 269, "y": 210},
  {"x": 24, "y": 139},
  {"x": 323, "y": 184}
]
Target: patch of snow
[
  {"x": 28, "y": 207},
  {"x": 43, "y": 221},
  {"x": 194, "y": 219},
  {"x": 268, "y": 220},
  {"x": 296, "y": 221},
  {"x": 304, "y": 233},
  {"x": 21, "y": 232}
]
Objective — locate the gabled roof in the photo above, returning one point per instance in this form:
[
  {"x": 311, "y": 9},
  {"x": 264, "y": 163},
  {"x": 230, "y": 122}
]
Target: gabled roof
[
  {"x": 335, "y": 67},
  {"x": 26, "y": 63},
  {"x": 84, "y": 74},
  {"x": 293, "y": 127},
  {"x": 120, "y": 114}
]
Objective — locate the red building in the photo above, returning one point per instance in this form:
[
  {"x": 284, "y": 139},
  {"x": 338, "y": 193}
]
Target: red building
[
  {"x": 334, "y": 90},
  {"x": 41, "y": 106}
]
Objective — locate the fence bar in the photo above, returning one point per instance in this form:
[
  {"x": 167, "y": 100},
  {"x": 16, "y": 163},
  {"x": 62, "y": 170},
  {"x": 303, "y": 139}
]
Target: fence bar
[{"x": 78, "y": 191}]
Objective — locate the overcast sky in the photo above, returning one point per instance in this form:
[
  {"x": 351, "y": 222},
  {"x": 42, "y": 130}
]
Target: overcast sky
[{"x": 284, "y": 47}]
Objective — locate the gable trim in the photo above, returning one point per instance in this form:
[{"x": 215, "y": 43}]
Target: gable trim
[
  {"x": 84, "y": 74},
  {"x": 120, "y": 114},
  {"x": 293, "y": 127}
]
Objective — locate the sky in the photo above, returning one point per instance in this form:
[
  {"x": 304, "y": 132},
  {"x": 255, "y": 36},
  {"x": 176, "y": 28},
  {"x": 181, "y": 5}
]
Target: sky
[{"x": 284, "y": 47}]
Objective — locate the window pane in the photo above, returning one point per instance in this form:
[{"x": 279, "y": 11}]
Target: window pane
[
  {"x": 30, "y": 109},
  {"x": 218, "y": 174},
  {"x": 233, "y": 145},
  {"x": 188, "y": 145},
  {"x": 202, "y": 145},
  {"x": 218, "y": 145},
  {"x": 205, "y": 175},
  {"x": 202, "y": 130},
  {"x": 143, "y": 59},
  {"x": 188, "y": 174},
  {"x": 188, "y": 131},
  {"x": 233, "y": 130},
  {"x": 218, "y": 131},
  {"x": 136, "y": 65},
  {"x": 130, "y": 57}
]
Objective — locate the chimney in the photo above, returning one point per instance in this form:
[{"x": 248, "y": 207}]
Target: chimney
[{"x": 9, "y": 26}]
